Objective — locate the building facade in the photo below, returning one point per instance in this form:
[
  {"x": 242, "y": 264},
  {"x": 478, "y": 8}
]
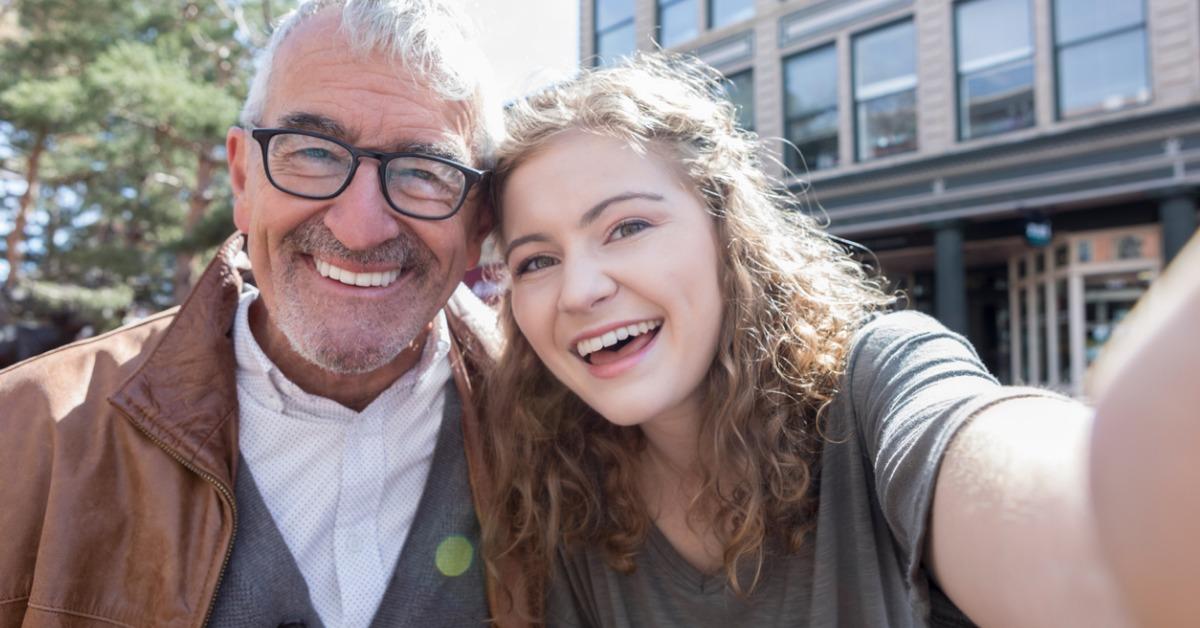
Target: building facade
[{"x": 1023, "y": 169}]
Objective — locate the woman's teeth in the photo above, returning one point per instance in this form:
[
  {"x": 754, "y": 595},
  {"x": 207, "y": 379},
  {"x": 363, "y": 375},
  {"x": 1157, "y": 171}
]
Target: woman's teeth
[
  {"x": 356, "y": 279},
  {"x": 608, "y": 339}
]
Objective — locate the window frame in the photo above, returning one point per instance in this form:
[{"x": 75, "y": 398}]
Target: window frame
[
  {"x": 710, "y": 21},
  {"x": 727, "y": 79},
  {"x": 662, "y": 5},
  {"x": 1099, "y": 109},
  {"x": 891, "y": 87},
  {"x": 994, "y": 63},
  {"x": 793, "y": 155},
  {"x": 598, "y": 32}
]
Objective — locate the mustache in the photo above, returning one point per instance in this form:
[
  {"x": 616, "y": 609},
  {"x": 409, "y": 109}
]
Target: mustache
[{"x": 406, "y": 250}]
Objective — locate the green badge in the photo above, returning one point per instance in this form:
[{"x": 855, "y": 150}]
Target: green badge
[{"x": 454, "y": 555}]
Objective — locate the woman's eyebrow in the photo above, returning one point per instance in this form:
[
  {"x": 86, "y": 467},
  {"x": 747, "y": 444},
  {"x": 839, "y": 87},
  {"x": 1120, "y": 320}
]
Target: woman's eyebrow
[
  {"x": 533, "y": 237},
  {"x": 592, "y": 214}
]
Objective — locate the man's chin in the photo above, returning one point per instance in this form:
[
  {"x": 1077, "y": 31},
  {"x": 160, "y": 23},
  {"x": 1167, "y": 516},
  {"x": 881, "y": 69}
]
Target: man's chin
[
  {"x": 346, "y": 352},
  {"x": 345, "y": 340},
  {"x": 347, "y": 360}
]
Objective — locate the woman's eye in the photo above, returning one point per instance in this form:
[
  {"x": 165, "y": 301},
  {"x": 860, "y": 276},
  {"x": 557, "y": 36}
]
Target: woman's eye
[
  {"x": 536, "y": 262},
  {"x": 628, "y": 228}
]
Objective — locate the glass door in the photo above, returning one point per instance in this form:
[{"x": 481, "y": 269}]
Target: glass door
[{"x": 1108, "y": 298}]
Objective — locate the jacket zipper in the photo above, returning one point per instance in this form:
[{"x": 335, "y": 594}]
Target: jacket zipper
[{"x": 220, "y": 489}]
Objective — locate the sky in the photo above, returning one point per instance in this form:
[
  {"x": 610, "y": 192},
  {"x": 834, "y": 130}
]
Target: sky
[{"x": 530, "y": 43}]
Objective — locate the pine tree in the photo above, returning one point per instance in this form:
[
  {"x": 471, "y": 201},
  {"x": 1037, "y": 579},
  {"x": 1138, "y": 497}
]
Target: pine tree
[{"x": 113, "y": 115}]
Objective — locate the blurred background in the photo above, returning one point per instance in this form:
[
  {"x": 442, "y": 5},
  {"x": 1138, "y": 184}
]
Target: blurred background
[
  {"x": 1021, "y": 169},
  {"x": 113, "y": 113}
]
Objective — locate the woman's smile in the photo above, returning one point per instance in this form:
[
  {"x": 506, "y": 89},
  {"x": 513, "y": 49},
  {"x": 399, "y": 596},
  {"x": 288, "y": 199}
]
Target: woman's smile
[{"x": 626, "y": 347}]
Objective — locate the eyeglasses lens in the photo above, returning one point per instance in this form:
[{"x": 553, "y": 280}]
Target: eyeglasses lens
[
  {"x": 423, "y": 186},
  {"x": 308, "y": 166}
]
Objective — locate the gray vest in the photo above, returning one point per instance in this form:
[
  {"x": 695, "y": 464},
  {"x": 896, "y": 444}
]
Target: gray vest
[{"x": 263, "y": 587}]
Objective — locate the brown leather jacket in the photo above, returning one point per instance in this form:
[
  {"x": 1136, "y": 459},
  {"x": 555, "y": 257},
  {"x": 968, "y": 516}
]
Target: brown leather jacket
[{"x": 118, "y": 457}]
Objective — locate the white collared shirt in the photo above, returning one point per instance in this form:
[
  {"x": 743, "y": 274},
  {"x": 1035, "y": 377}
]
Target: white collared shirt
[{"x": 342, "y": 486}]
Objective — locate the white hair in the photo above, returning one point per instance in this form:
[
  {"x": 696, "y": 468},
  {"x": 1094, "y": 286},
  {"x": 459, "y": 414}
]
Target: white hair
[{"x": 431, "y": 39}]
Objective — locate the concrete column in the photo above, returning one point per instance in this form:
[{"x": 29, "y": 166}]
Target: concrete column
[
  {"x": 1050, "y": 312},
  {"x": 950, "y": 277},
  {"x": 1177, "y": 216},
  {"x": 1078, "y": 330},
  {"x": 1014, "y": 325}
]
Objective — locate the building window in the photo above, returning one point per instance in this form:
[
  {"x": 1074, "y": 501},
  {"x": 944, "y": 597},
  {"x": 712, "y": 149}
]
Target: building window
[
  {"x": 885, "y": 91},
  {"x": 995, "y": 67},
  {"x": 739, "y": 88},
  {"x": 726, "y": 12},
  {"x": 678, "y": 21},
  {"x": 810, "y": 83},
  {"x": 614, "y": 30},
  {"x": 1101, "y": 55}
]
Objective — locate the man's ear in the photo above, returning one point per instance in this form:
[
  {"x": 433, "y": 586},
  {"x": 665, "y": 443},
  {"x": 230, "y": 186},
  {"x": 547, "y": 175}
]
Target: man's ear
[{"x": 237, "y": 145}]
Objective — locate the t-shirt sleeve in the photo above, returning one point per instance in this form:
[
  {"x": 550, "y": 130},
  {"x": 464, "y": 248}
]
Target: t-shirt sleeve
[{"x": 912, "y": 384}]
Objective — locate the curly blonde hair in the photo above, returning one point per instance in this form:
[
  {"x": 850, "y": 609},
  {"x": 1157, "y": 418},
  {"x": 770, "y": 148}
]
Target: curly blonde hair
[{"x": 564, "y": 475}]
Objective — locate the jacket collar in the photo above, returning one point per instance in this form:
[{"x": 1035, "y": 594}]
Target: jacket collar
[{"x": 184, "y": 396}]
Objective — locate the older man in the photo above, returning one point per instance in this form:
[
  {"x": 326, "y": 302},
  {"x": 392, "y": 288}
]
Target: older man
[{"x": 292, "y": 453}]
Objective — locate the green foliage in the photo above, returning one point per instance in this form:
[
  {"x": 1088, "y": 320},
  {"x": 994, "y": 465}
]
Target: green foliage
[
  {"x": 151, "y": 85},
  {"x": 104, "y": 307},
  {"x": 131, "y": 100},
  {"x": 44, "y": 102}
]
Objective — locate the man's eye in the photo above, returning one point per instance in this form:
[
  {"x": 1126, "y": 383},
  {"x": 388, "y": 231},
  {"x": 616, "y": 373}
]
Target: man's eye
[
  {"x": 316, "y": 153},
  {"x": 313, "y": 153},
  {"x": 536, "y": 262},
  {"x": 628, "y": 228},
  {"x": 423, "y": 175}
]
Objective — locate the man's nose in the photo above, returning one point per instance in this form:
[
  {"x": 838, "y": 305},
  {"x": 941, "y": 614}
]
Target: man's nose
[
  {"x": 586, "y": 285},
  {"x": 360, "y": 216}
]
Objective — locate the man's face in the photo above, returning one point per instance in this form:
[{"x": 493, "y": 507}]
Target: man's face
[{"x": 305, "y": 253}]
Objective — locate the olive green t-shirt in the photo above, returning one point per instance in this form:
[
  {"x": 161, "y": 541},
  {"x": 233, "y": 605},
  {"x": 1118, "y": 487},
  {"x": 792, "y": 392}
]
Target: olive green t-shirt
[{"x": 910, "y": 384}]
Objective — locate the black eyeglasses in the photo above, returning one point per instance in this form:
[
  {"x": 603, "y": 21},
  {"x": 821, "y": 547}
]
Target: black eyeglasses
[{"x": 315, "y": 166}]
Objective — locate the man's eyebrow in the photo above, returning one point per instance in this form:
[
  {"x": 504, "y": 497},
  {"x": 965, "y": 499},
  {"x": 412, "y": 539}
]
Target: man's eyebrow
[
  {"x": 445, "y": 150},
  {"x": 592, "y": 214},
  {"x": 313, "y": 122},
  {"x": 588, "y": 217}
]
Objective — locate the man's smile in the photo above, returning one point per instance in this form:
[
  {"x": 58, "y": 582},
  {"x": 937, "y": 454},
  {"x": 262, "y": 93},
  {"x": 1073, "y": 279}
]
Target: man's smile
[{"x": 381, "y": 279}]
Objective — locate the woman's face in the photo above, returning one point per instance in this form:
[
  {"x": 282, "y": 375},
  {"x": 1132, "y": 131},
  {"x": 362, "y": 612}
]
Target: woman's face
[{"x": 615, "y": 275}]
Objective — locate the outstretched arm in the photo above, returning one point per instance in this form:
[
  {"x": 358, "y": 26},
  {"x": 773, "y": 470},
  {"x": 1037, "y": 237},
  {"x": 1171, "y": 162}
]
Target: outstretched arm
[
  {"x": 1046, "y": 514},
  {"x": 1013, "y": 540}
]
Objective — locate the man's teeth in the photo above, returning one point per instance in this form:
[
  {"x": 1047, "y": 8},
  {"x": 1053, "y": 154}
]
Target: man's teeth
[
  {"x": 356, "y": 279},
  {"x": 592, "y": 345}
]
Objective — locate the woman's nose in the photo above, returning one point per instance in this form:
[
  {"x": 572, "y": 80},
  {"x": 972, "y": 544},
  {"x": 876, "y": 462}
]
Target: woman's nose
[{"x": 586, "y": 284}]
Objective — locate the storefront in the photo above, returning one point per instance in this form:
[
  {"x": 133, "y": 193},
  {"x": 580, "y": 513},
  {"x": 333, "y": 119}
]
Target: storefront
[{"x": 1066, "y": 298}]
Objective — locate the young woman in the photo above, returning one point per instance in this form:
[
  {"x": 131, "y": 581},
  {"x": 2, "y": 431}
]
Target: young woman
[{"x": 704, "y": 418}]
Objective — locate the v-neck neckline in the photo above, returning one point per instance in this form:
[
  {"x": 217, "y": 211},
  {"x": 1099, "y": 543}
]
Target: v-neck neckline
[{"x": 684, "y": 572}]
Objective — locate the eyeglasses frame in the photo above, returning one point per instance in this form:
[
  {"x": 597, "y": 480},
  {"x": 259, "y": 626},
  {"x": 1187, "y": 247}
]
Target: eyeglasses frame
[{"x": 471, "y": 175}]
